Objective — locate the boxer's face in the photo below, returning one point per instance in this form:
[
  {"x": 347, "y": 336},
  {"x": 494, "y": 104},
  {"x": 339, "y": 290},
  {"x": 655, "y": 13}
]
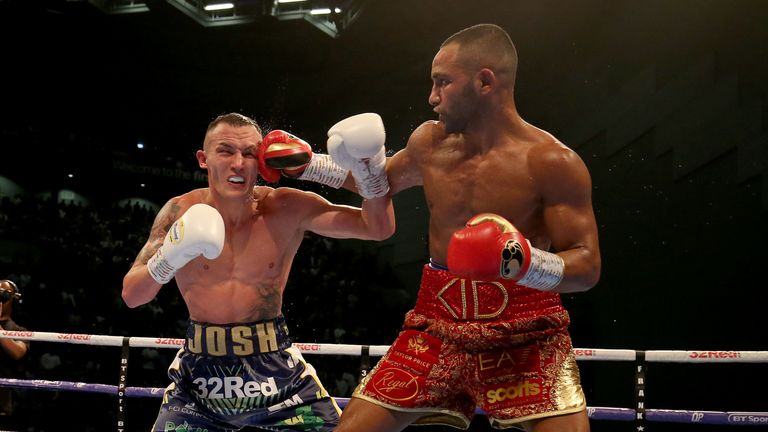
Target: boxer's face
[
  {"x": 452, "y": 95},
  {"x": 229, "y": 155}
]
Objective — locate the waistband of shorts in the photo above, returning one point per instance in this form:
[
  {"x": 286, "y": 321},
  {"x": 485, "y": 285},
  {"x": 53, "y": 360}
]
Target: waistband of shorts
[
  {"x": 237, "y": 339},
  {"x": 447, "y": 296}
]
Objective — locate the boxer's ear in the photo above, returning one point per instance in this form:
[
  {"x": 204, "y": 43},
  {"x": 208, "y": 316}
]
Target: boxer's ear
[{"x": 486, "y": 81}]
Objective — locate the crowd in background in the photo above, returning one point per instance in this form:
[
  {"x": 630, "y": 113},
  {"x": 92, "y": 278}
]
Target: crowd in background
[{"x": 69, "y": 259}]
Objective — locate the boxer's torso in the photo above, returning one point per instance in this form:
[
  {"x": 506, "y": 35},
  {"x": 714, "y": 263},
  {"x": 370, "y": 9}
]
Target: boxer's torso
[
  {"x": 246, "y": 282},
  {"x": 463, "y": 178}
]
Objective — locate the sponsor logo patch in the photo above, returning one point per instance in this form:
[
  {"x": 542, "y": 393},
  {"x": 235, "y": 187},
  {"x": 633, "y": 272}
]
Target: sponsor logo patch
[
  {"x": 515, "y": 394},
  {"x": 492, "y": 364},
  {"x": 415, "y": 350},
  {"x": 396, "y": 384}
]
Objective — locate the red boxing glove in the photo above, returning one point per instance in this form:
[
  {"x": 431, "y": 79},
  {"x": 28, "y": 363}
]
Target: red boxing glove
[
  {"x": 490, "y": 247},
  {"x": 281, "y": 152}
]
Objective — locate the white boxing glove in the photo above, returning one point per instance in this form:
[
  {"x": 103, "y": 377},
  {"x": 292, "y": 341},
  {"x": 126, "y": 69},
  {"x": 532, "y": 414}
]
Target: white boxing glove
[
  {"x": 199, "y": 231},
  {"x": 357, "y": 144}
]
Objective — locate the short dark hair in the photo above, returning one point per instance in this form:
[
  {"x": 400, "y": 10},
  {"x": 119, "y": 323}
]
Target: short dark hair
[
  {"x": 486, "y": 46},
  {"x": 233, "y": 119}
]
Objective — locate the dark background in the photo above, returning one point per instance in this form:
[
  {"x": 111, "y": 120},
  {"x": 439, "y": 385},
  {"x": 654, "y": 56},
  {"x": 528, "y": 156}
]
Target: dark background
[{"x": 664, "y": 100}]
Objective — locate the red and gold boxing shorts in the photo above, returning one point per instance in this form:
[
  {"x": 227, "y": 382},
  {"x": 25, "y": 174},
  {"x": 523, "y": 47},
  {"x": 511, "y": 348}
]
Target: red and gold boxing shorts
[{"x": 469, "y": 344}]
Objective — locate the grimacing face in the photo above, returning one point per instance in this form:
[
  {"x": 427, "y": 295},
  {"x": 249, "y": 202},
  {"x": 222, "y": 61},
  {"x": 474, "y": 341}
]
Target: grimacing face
[{"x": 230, "y": 158}]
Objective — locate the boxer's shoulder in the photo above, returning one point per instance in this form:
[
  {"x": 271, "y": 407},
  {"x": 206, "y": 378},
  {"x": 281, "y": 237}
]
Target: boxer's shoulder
[
  {"x": 429, "y": 132},
  {"x": 195, "y": 196},
  {"x": 285, "y": 200}
]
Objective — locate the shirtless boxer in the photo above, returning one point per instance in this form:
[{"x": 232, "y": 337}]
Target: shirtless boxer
[
  {"x": 488, "y": 329},
  {"x": 230, "y": 247}
]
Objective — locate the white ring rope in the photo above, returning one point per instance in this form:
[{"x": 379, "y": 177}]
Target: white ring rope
[
  {"x": 671, "y": 356},
  {"x": 638, "y": 415}
]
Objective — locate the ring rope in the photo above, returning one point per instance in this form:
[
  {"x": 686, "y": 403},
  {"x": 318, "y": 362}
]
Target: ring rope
[
  {"x": 639, "y": 414},
  {"x": 602, "y": 354},
  {"x": 594, "y": 413}
]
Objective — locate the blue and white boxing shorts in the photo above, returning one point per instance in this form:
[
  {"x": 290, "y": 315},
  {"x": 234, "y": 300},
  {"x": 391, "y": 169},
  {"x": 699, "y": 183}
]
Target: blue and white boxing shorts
[{"x": 232, "y": 376}]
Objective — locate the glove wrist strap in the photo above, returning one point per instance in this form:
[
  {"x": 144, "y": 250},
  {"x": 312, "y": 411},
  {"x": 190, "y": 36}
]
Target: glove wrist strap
[
  {"x": 372, "y": 186},
  {"x": 322, "y": 169},
  {"x": 159, "y": 268},
  {"x": 370, "y": 176},
  {"x": 545, "y": 272}
]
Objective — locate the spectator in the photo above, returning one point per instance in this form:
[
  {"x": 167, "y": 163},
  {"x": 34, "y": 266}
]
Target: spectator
[{"x": 12, "y": 350}]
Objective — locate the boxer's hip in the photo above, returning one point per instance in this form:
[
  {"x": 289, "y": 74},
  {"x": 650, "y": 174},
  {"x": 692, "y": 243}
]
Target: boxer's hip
[
  {"x": 481, "y": 314},
  {"x": 237, "y": 339},
  {"x": 446, "y": 296}
]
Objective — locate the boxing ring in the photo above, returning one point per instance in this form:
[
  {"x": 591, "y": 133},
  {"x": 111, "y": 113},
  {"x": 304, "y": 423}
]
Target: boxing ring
[{"x": 640, "y": 414}]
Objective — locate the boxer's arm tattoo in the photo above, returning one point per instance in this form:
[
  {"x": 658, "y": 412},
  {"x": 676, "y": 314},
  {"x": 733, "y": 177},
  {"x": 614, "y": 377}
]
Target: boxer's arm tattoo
[{"x": 163, "y": 221}]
